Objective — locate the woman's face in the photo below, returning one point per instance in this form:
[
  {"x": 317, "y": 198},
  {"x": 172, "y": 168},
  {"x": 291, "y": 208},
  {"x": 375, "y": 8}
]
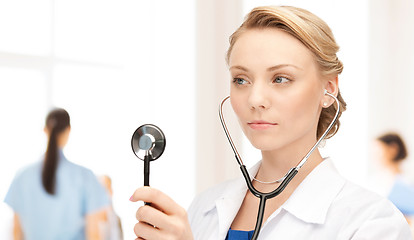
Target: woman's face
[{"x": 276, "y": 90}]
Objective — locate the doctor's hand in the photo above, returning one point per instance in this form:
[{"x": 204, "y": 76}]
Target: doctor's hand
[{"x": 163, "y": 219}]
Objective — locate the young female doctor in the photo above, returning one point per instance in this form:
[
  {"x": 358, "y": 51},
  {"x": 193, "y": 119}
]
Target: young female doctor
[{"x": 281, "y": 61}]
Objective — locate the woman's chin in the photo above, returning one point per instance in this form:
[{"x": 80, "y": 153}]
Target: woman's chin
[{"x": 264, "y": 145}]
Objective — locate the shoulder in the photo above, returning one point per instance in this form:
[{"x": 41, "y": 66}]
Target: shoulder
[
  {"x": 28, "y": 171},
  {"x": 354, "y": 212},
  {"x": 88, "y": 186},
  {"x": 203, "y": 212},
  {"x": 354, "y": 193},
  {"x": 206, "y": 200},
  {"x": 363, "y": 199},
  {"x": 350, "y": 197},
  {"x": 25, "y": 176},
  {"x": 361, "y": 202},
  {"x": 77, "y": 176},
  {"x": 209, "y": 195},
  {"x": 25, "y": 180},
  {"x": 367, "y": 215},
  {"x": 233, "y": 188},
  {"x": 78, "y": 169}
]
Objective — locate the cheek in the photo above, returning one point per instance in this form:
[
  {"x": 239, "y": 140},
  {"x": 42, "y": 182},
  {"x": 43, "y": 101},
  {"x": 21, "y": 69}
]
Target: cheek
[
  {"x": 301, "y": 105},
  {"x": 240, "y": 109},
  {"x": 300, "y": 112},
  {"x": 237, "y": 104}
]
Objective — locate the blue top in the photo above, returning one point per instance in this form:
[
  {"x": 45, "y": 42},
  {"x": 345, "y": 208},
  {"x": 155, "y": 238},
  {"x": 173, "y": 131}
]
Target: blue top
[
  {"x": 60, "y": 216},
  {"x": 402, "y": 195},
  {"x": 239, "y": 235}
]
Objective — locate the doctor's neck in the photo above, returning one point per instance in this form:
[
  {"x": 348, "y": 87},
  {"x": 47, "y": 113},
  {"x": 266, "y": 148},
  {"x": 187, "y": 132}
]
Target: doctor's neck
[{"x": 276, "y": 163}]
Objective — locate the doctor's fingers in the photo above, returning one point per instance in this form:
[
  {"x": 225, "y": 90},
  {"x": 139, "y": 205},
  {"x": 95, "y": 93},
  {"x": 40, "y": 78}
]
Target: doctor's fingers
[
  {"x": 169, "y": 225},
  {"x": 162, "y": 201},
  {"x": 152, "y": 216},
  {"x": 145, "y": 231},
  {"x": 148, "y": 232}
]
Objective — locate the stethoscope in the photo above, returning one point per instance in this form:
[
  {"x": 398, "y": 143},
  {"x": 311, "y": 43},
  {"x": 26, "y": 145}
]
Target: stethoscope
[{"x": 285, "y": 180}]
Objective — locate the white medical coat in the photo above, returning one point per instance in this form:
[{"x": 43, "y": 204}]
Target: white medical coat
[{"x": 324, "y": 206}]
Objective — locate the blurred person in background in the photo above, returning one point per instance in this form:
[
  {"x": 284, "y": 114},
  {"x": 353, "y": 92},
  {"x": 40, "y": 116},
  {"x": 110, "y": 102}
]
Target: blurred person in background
[
  {"x": 391, "y": 153},
  {"x": 110, "y": 226},
  {"x": 55, "y": 198}
]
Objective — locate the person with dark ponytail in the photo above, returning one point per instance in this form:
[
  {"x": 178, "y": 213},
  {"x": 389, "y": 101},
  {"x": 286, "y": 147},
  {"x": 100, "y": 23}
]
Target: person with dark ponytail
[{"x": 54, "y": 198}]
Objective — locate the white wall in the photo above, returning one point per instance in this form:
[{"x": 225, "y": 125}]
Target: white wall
[
  {"x": 216, "y": 20},
  {"x": 391, "y": 71}
]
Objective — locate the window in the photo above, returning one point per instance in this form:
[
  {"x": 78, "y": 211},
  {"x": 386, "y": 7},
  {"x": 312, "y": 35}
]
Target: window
[{"x": 114, "y": 65}]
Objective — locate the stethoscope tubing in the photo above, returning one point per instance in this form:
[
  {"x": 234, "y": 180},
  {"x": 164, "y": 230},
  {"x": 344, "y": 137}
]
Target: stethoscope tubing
[
  {"x": 288, "y": 177},
  {"x": 226, "y": 131},
  {"x": 264, "y": 196}
]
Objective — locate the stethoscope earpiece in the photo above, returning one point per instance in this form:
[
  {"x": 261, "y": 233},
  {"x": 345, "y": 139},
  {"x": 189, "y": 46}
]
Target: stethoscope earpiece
[{"x": 326, "y": 104}]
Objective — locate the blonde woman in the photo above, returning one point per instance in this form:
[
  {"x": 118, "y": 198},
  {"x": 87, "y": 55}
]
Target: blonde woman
[{"x": 281, "y": 61}]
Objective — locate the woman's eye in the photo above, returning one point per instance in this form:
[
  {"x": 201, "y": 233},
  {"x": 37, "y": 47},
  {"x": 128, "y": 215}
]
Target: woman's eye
[
  {"x": 239, "y": 81},
  {"x": 281, "y": 80}
]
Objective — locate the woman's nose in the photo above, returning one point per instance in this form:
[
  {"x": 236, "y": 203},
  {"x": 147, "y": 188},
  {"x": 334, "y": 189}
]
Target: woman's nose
[{"x": 258, "y": 97}]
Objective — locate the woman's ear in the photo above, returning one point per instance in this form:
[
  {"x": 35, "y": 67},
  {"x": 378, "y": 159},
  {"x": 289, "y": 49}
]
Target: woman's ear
[
  {"x": 46, "y": 130},
  {"x": 331, "y": 86},
  {"x": 63, "y": 137}
]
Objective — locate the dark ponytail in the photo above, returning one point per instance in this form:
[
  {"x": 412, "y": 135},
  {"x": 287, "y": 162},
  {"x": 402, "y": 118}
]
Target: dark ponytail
[{"x": 56, "y": 122}]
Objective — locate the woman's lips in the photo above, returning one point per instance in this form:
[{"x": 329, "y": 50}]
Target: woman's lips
[{"x": 261, "y": 125}]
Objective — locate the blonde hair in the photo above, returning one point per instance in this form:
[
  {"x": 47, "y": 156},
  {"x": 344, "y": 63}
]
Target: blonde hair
[{"x": 314, "y": 33}]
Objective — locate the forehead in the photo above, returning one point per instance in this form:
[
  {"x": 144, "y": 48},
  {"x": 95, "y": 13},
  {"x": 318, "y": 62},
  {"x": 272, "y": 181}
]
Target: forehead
[{"x": 270, "y": 46}]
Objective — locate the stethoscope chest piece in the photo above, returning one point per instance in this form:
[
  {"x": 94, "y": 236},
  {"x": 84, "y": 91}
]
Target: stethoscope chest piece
[
  {"x": 149, "y": 140},
  {"x": 148, "y": 144}
]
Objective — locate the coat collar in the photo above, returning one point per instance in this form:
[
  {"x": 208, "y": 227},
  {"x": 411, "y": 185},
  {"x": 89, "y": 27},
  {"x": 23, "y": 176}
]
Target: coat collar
[
  {"x": 310, "y": 201},
  {"x": 234, "y": 191},
  {"x": 228, "y": 203}
]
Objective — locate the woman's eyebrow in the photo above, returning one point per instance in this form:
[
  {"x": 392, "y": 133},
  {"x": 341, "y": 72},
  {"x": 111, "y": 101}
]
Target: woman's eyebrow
[
  {"x": 239, "y": 67},
  {"x": 283, "y": 66},
  {"x": 270, "y": 69}
]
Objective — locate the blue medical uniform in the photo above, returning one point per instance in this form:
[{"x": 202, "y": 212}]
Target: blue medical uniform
[
  {"x": 402, "y": 195},
  {"x": 239, "y": 235},
  {"x": 60, "y": 216}
]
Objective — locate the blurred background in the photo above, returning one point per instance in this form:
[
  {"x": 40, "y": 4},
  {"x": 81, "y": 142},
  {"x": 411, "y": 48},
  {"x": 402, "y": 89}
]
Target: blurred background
[{"x": 115, "y": 65}]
